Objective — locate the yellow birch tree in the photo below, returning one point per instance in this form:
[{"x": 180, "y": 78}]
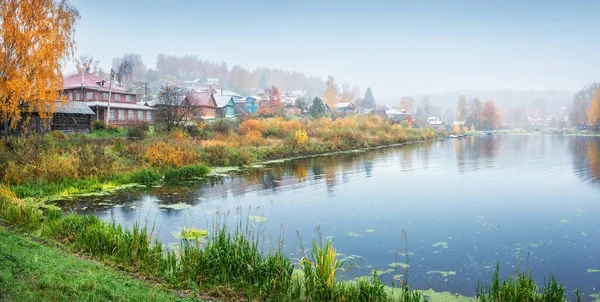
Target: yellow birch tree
[
  {"x": 34, "y": 37},
  {"x": 593, "y": 112}
]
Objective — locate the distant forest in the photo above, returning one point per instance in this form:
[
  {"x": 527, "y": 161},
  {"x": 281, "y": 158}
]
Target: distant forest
[{"x": 171, "y": 69}]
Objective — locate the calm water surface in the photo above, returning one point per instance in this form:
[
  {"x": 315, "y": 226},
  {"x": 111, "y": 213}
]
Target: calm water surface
[{"x": 465, "y": 205}]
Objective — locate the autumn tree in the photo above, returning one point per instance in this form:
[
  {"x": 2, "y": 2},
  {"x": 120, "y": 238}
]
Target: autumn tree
[
  {"x": 87, "y": 63},
  {"x": 462, "y": 110},
  {"x": 130, "y": 68},
  {"x": 407, "y": 103},
  {"x": 317, "y": 109},
  {"x": 368, "y": 100},
  {"x": 491, "y": 116},
  {"x": 347, "y": 95},
  {"x": 330, "y": 95},
  {"x": 593, "y": 113},
  {"x": 273, "y": 104},
  {"x": 475, "y": 113},
  {"x": 34, "y": 37},
  {"x": 172, "y": 111},
  {"x": 581, "y": 104}
]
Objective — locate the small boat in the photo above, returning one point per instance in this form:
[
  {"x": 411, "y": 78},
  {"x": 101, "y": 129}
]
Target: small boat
[
  {"x": 488, "y": 133},
  {"x": 452, "y": 136}
]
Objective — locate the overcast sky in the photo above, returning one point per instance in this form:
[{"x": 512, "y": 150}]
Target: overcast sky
[{"x": 395, "y": 47}]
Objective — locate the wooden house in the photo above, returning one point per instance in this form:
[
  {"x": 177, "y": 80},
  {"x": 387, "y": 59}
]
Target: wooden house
[
  {"x": 94, "y": 91},
  {"x": 205, "y": 104},
  {"x": 226, "y": 107}
]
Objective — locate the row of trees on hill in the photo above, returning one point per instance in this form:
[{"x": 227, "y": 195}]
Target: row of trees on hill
[{"x": 473, "y": 112}]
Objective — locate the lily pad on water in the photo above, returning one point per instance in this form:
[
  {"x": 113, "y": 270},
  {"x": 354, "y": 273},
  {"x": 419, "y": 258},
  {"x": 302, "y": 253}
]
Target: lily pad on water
[
  {"x": 443, "y": 273},
  {"x": 369, "y": 231},
  {"x": 565, "y": 221},
  {"x": 258, "y": 218},
  {"x": 382, "y": 272},
  {"x": 177, "y": 206},
  {"x": 578, "y": 212},
  {"x": 399, "y": 264},
  {"x": 593, "y": 270},
  {"x": 353, "y": 234},
  {"x": 443, "y": 245},
  {"x": 534, "y": 245},
  {"x": 191, "y": 234},
  {"x": 583, "y": 234}
]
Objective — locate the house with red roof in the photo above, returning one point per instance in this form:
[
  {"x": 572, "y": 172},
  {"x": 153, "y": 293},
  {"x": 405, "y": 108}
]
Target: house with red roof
[
  {"x": 94, "y": 91},
  {"x": 205, "y": 104}
]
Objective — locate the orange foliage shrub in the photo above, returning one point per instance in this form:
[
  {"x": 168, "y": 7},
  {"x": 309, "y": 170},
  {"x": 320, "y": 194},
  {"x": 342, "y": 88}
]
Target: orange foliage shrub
[
  {"x": 252, "y": 125},
  {"x": 163, "y": 154}
]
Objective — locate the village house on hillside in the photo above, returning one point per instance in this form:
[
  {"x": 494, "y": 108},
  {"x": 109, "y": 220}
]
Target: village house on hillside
[
  {"x": 94, "y": 92},
  {"x": 205, "y": 104},
  {"x": 346, "y": 108},
  {"x": 226, "y": 107},
  {"x": 435, "y": 121}
]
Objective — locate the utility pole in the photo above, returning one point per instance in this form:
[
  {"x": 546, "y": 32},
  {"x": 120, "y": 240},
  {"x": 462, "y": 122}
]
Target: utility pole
[
  {"x": 112, "y": 74},
  {"x": 146, "y": 98}
]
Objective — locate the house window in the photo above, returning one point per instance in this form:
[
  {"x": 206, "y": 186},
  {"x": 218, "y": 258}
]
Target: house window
[
  {"x": 149, "y": 116},
  {"x": 89, "y": 95},
  {"x": 70, "y": 96},
  {"x": 105, "y": 95},
  {"x": 128, "y": 98},
  {"x": 77, "y": 97},
  {"x": 112, "y": 116},
  {"x": 121, "y": 114},
  {"x": 140, "y": 115},
  {"x": 131, "y": 115},
  {"x": 117, "y": 97}
]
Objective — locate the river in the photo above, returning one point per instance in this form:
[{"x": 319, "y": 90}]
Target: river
[{"x": 464, "y": 204}]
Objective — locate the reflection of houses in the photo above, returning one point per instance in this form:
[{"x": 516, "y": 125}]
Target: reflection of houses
[
  {"x": 435, "y": 121},
  {"x": 94, "y": 91},
  {"x": 205, "y": 104},
  {"x": 346, "y": 108},
  {"x": 460, "y": 124}
]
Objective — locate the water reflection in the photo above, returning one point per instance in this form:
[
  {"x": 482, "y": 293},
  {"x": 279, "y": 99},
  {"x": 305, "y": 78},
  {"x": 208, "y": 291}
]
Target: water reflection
[
  {"x": 585, "y": 152},
  {"x": 465, "y": 203}
]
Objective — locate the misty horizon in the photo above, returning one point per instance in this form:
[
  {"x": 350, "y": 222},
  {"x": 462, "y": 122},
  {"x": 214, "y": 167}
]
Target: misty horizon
[{"x": 397, "y": 49}]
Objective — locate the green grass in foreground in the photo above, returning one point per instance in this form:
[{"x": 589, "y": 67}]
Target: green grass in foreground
[{"x": 32, "y": 272}]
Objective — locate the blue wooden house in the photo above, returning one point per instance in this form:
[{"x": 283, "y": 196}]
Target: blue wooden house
[
  {"x": 251, "y": 105},
  {"x": 226, "y": 107}
]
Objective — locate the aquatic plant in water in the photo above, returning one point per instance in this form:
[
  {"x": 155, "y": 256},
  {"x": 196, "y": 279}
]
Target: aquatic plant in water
[
  {"x": 443, "y": 245},
  {"x": 176, "y": 206},
  {"x": 353, "y": 234},
  {"x": 399, "y": 264},
  {"x": 443, "y": 273},
  {"x": 593, "y": 270},
  {"x": 193, "y": 234}
]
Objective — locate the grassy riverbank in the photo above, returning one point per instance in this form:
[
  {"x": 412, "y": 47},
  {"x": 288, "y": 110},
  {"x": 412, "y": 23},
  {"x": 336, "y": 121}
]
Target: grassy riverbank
[
  {"x": 57, "y": 164},
  {"x": 30, "y": 271},
  {"x": 228, "y": 262}
]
